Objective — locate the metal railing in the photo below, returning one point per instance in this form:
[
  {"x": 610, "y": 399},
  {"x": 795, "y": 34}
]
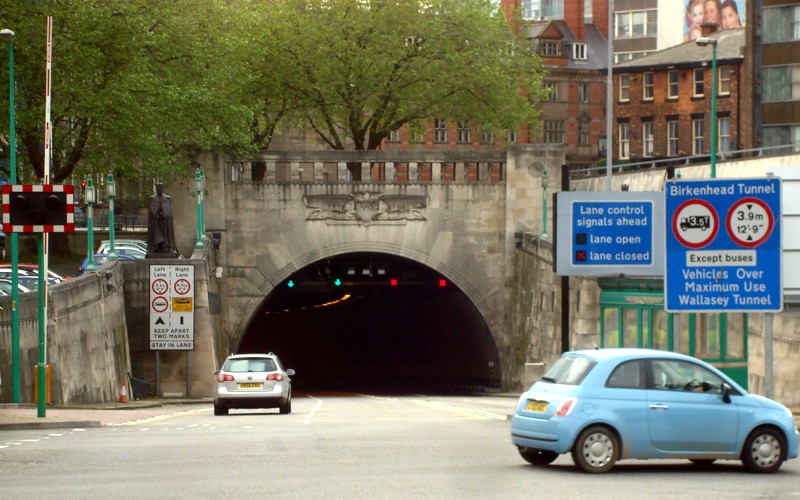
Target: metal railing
[{"x": 684, "y": 160}]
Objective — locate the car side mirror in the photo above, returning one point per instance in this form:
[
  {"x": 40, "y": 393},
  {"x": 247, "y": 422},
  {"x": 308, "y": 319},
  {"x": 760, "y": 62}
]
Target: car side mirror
[
  {"x": 726, "y": 392},
  {"x": 216, "y": 372},
  {"x": 290, "y": 372}
]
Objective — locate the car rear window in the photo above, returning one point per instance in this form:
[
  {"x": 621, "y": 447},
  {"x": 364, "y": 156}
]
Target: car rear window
[
  {"x": 570, "y": 370},
  {"x": 242, "y": 365}
]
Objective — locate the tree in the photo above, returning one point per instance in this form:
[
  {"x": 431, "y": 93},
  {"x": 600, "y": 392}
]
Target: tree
[
  {"x": 134, "y": 86},
  {"x": 357, "y": 70}
]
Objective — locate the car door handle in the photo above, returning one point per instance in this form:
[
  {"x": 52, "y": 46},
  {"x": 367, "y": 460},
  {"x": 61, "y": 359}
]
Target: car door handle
[{"x": 659, "y": 407}]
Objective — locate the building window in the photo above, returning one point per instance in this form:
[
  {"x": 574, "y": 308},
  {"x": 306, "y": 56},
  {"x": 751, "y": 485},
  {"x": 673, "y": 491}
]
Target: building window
[
  {"x": 551, "y": 49},
  {"x": 439, "y": 130},
  {"x": 648, "y": 80},
  {"x": 724, "y": 78},
  {"x": 579, "y": 51},
  {"x": 636, "y": 24},
  {"x": 511, "y": 137},
  {"x": 554, "y": 131},
  {"x": 394, "y": 136},
  {"x": 699, "y": 76},
  {"x": 487, "y": 136},
  {"x": 464, "y": 133},
  {"x": 781, "y": 24},
  {"x": 647, "y": 139},
  {"x": 583, "y": 133},
  {"x": 624, "y": 88},
  {"x": 583, "y": 92},
  {"x": 697, "y": 136},
  {"x": 621, "y": 57},
  {"x": 782, "y": 135},
  {"x": 724, "y": 139},
  {"x": 552, "y": 9},
  {"x": 781, "y": 83},
  {"x": 624, "y": 141},
  {"x": 552, "y": 90},
  {"x": 417, "y": 135},
  {"x": 672, "y": 138},
  {"x": 672, "y": 84}
]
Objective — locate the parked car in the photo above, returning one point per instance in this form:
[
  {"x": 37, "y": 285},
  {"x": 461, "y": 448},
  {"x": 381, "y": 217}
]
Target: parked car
[
  {"x": 99, "y": 259},
  {"x": 130, "y": 250},
  {"x": 5, "y": 285},
  {"x": 605, "y": 405},
  {"x": 252, "y": 381},
  {"x": 52, "y": 278},
  {"x": 106, "y": 244}
]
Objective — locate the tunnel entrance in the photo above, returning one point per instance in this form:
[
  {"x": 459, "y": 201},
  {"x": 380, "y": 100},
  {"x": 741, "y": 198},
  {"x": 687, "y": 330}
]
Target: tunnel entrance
[{"x": 371, "y": 321}]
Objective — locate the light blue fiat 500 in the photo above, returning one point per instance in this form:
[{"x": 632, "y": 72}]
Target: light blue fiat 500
[{"x": 605, "y": 405}]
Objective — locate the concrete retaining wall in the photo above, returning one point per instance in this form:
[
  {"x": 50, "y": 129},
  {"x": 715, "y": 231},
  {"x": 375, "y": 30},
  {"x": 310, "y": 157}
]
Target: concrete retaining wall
[{"x": 87, "y": 342}]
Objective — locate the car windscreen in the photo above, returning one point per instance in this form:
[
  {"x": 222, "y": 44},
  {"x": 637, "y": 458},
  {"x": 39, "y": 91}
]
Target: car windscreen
[
  {"x": 243, "y": 365},
  {"x": 569, "y": 370}
]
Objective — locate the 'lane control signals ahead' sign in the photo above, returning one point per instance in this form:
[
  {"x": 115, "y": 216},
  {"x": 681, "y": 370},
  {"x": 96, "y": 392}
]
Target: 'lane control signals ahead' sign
[
  {"x": 723, "y": 245},
  {"x": 609, "y": 233}
]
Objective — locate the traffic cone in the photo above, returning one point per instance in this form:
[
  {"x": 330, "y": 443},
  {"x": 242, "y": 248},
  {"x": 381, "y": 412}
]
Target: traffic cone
[{"x": 123, "y": 393}]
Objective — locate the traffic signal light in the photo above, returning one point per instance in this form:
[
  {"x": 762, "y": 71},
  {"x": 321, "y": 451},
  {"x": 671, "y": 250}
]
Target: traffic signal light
[{"x": 37, "y": 208}]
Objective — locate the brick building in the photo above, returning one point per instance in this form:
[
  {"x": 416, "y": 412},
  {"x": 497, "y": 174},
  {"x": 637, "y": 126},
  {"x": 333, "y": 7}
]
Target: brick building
[
  {"x": 662, "y": 104},
  {"x": 773, "y": 63}
]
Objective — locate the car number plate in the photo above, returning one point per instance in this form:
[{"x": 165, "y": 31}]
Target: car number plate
[
  {"x": 539, "y": 406},
  {"x": 250, "y": 385}
]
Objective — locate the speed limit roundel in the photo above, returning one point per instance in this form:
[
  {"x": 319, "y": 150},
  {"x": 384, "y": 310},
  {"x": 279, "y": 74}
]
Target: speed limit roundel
[{"x": 695, "y": 223}]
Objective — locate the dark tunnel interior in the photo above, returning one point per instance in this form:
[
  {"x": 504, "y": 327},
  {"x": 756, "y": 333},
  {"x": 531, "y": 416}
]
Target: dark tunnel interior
[{"x": 370, "y": 321}]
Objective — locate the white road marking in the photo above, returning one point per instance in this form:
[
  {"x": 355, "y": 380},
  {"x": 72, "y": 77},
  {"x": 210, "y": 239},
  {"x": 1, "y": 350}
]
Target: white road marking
[{"x": 310, "y": 415}]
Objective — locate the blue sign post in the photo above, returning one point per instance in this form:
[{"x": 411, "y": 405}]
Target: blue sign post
[
  {"x": 723, "y": 246},
  {"x": 609, "y": 234}
]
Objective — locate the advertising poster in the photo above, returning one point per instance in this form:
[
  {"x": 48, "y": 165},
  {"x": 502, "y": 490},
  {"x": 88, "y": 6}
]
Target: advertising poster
[{"x": 727, "y": 14}]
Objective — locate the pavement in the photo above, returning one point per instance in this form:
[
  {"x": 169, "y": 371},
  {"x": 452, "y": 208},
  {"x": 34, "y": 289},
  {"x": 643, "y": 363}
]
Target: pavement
[{"x": 25, "y": 416}]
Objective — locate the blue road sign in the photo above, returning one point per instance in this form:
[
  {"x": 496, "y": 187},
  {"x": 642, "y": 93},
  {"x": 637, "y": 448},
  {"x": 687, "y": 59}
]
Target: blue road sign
[
  {"x": 609, "y": 234},
  {"x": 723, "y": 242}
]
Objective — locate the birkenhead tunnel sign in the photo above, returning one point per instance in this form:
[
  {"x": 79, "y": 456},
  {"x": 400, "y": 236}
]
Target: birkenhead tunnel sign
[{"x": 723, "y": 245}]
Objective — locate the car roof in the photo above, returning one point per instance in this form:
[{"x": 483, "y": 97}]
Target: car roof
[
  {"x": 627, "y": 353},
  {"x": 252, "y": 355}
]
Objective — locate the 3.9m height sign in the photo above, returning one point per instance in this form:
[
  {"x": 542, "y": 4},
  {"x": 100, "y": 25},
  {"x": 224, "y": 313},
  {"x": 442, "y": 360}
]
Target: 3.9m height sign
[
  {"x": 171, "y": 307},
  {"x": 723, "y": 245}
]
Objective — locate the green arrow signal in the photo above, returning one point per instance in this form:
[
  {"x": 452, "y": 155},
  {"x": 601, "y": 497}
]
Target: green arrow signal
[
  {"x": 337, "y": 282},
  {"x": 290, "y": 283}
]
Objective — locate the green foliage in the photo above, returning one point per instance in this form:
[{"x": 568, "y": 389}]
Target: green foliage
[
  {"x": 357, "y": 70},
  {"x": 133, "y": 86},
  {"x": 140, "y": 86}
]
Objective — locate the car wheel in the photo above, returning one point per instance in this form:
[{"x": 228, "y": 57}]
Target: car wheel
[
  {"x": 596, "y": 450},
  {"x": 537, "y": 457},
  {"x": 763, "y": 451},
  {"x": 286, "y": 408},
  {"x": 220, "y": 409}
]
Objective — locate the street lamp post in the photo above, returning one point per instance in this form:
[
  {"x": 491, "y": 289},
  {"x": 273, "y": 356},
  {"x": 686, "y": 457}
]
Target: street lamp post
[
  {"x": 198, "y": 187},
  {"x": 7, "y": 34},
  {"x": 111, "y": 191},
  {"x": 90, "y": 199},
  {"x": 704, "y": 41},
  {"x": 545, "y": 185}
]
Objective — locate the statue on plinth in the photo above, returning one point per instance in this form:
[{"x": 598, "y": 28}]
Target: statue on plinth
[{"x": 160, "y": 226}]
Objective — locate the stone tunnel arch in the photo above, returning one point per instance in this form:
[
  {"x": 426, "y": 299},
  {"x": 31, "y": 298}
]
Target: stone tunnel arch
[{"x": 415, "y": 335}]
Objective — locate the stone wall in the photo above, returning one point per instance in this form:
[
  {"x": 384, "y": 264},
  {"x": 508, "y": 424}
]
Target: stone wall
[
  {"x": 167, "y": 372},
  {"x": 87, "y": 342}
]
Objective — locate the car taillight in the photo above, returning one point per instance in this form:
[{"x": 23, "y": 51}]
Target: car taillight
[
  {"x": 277, "y": 377},
  {"x": 224, "y": 377},
  {"x": 566, "y": 406}
]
